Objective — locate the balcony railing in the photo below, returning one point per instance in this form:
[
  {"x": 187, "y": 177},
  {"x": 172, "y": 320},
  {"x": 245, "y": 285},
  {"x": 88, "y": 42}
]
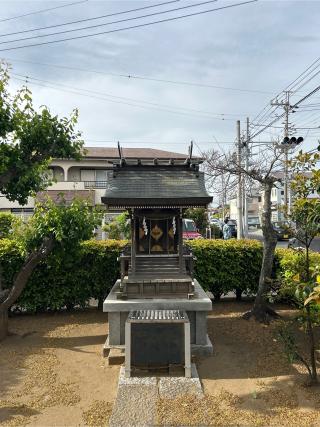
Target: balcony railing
[{"x": 95, "y": 184}]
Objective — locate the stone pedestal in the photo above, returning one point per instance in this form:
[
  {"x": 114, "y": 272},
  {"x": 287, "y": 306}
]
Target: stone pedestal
[{"x": 196, "y": 308}]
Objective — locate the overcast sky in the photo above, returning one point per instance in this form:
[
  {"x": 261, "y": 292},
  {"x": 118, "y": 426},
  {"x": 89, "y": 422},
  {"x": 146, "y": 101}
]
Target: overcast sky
[{"x": 260, "y": 47}]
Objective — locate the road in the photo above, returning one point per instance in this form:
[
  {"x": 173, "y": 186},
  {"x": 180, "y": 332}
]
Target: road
[{"x": 257, "y": 234}]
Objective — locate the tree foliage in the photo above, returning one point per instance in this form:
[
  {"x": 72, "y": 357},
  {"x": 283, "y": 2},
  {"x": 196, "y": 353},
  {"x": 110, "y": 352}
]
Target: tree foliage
[
  {"x": 200, "y": 217},
  {"x": 262, "y": 172},
  {"x": 306, "y": 180},
  {"x": 7, "y": 222},
  {"x": 29, "y": 139},
  {"x": 119, "y": 227},
  {"x": 54, "y": 229}
]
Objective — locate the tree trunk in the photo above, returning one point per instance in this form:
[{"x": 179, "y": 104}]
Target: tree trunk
[
  {"x": 313, "y": 375},
  {"x": 100, "y": 303},
  {"x": 260, "y": 311},
  {"x": 20, "y": 282},
  {"x": 238, "y": 294},
  {"x": 3, "y": 323}
]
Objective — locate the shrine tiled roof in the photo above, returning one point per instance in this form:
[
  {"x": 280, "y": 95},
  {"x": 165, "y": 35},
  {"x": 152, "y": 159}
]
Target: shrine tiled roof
[
  {"x": 132, "y": 153},
  {"x": 156, "y": 186}
]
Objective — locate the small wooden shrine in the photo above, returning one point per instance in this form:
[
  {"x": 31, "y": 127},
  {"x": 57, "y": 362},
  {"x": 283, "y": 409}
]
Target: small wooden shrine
[
  {"x": 156, "y": 263},
  {"x": 156, "y": 268}
]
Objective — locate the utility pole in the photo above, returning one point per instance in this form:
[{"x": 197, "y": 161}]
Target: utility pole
[
  {"x": 223, "y": 197},
  {"x": 239, "y": 195},
  {"x": 246, "y": 166},
  {"x": 286, "y": 153},
  {"x": 286, "y": 106}
]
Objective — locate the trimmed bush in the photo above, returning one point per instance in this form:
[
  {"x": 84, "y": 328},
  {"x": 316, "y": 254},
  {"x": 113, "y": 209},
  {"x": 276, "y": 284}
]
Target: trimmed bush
[
  {"x": 67, "y": 280},
  {"x": 11, "y": 259},
  {"x": 223, "y": 266},
  {"x": 64, "y": 281},
  {"x": 288, "y": 263}
]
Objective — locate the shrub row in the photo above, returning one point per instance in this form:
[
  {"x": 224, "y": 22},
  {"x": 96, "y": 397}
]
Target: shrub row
[
  {"x": 224, "y": 266},
  {"x": 221, "y": 267},
  {"x": 61, "y": 281}
]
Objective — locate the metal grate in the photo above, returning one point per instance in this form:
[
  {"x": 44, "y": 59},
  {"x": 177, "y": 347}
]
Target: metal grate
[
  {"x": 156, "y": 315},
  {"x": 95, "y": 184}
]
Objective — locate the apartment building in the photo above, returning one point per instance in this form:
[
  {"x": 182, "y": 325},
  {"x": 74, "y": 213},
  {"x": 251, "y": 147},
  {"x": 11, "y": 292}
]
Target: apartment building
[
  {"x": 254, "y": 209},
  {"x": 86, "y": 178}
]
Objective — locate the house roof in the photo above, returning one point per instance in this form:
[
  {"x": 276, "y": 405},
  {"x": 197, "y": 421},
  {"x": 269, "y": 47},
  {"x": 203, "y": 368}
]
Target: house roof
[
  {"x": 132, "y": 153},
  {"x": 156, "y": 186}
]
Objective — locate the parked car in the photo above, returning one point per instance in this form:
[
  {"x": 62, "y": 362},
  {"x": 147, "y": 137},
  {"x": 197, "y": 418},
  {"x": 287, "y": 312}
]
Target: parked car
[
  {"x": 283, "y": 230},
  {"x": 190, "y": 231},
  {"x": 233, "y": 225}
]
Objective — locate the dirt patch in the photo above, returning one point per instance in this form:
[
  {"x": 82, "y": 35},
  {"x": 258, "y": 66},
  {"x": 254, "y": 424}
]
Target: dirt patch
[
  {"x": 98, "y": 413},
  {"x": 53, "y": 372}
]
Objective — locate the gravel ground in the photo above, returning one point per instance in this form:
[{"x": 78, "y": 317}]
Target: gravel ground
[
  {"x": 52, "y": 374},
  {"x": 52, "y": 371}
]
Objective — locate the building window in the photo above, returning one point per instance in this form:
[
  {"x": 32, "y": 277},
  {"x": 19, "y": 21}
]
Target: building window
[
  {"x": 282, "y": 192},
  {"x": 101, "y": 175},
  {"x": 23, "y": 213},
  {"x": 93, "y": 175},
  {"x": 94, "y": 178},
  {"x": 87, "y": 175}
]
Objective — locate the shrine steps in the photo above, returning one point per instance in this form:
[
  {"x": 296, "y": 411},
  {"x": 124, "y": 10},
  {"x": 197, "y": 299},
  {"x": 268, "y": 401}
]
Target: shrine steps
[{"x": 157, "y": 267}]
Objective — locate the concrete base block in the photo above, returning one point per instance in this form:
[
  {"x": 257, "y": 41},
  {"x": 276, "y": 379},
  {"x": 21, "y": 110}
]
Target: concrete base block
[
  {"x": 116, "y": 356},
  {"x": 201, "y": 350},
  {"x": 107, "y": 347}
]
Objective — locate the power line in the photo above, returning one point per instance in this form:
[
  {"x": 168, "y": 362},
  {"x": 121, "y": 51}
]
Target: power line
[
  {"x": 311, "y": 78},
  {"x": 108, "y": 23},
  {"x": 43, "y": 10},
  {"x": 89, "y": 19},
  {"x": 283, "y": 114},
  {"x": 131, "y": 27},
  {"x": 290, "y": 87},
  {"x": 125, "y": 103},
  {"x": 281, "y": 127},
  {"x": 137, "y": 77},
  {"x": 209, "y": 113}
]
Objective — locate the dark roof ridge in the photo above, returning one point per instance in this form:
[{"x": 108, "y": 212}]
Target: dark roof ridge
[{"x": 133, "y": 153}]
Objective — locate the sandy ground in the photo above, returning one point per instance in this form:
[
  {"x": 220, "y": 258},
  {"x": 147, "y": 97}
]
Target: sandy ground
[{"x": 52, "y": 374}]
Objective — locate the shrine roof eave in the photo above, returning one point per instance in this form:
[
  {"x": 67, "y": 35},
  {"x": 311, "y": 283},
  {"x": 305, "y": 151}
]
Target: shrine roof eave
[{"x": 154, "y": 203}]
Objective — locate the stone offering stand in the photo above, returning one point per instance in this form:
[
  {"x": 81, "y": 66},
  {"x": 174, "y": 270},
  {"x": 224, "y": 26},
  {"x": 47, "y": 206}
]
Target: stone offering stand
[{"x": 157, "y": 310}]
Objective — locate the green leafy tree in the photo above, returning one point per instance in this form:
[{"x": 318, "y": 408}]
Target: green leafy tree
[
  {"x": 119, "y": 227},
  {"x": 305, "y": 214},
  {"x": 53, "y": 228},
  {"x": 29, "y": 139},
  {"x": 200, "y": 217},
  {"x": 7, "y": 221}
]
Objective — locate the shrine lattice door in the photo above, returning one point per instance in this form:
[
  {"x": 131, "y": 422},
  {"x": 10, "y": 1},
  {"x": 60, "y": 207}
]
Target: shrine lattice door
[{"x": 156, "y": 236}]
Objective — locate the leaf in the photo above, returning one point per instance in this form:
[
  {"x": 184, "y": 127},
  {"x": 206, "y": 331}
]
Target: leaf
[{"x": 296, "y": 277}]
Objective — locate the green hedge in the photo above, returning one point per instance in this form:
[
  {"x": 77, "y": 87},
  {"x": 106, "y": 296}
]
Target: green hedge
[
  {"x": 288, "y": 263},
  {"x": 68, "y": 281},
  {"x": 63, "y": 281},
  {"x": 223, "y": 266},
  {"x": 11, "y": 259}
]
